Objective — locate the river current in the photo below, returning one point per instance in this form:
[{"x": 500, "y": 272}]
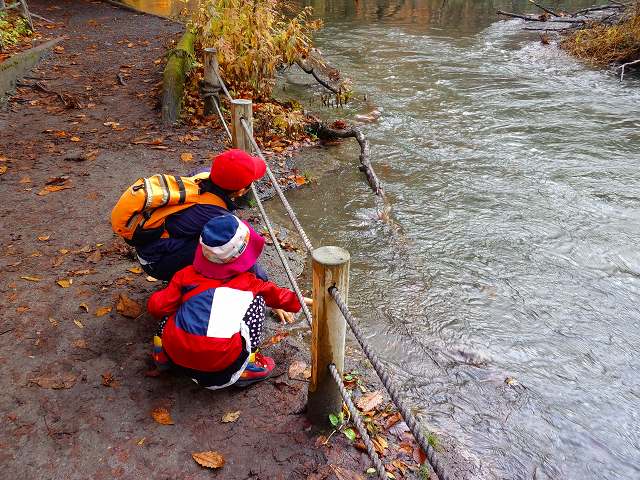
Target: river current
[{"x": 507, "y": 303}]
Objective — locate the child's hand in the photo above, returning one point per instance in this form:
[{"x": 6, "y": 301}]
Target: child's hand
[
  {"x": 308, "y": 301},
  {"x": 285, "y": 317}
]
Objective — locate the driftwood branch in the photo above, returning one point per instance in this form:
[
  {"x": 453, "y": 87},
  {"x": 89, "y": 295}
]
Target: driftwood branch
[
  {"x": 545, "y": 9},
  {"x": 311, "y": 71},
  {"x": 326, "y": 132},
  {"x": 625, "y": 65}
]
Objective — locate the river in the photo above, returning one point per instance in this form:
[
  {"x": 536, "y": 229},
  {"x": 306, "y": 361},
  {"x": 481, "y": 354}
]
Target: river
[{"x": 507, "y": 302}]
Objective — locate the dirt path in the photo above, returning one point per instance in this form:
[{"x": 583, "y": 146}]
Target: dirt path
[{"x": 76, "y": 402}]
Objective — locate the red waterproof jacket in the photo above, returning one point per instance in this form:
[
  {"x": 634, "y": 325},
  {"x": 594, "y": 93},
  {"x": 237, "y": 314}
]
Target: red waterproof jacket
[{"x": 205, "y": 329}]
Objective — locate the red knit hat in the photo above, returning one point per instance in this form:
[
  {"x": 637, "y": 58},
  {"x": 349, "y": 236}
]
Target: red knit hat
[{"x": 235, "y": 169}]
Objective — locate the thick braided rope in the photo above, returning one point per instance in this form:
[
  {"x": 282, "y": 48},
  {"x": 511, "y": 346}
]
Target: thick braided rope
[
  {"x": 391, "y": 388},
  {"x": 276, "y": 186},
  {"x": 224, "y": 87},
  {"x": 355, "y": 418},
  {"x": 224, "y": 123}
]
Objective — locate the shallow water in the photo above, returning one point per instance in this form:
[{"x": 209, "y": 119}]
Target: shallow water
[{"x": 513, "y": 172}]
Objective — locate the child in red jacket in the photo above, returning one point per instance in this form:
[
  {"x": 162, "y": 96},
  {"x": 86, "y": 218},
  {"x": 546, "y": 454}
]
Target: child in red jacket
[{"x": 213, "y": 311}]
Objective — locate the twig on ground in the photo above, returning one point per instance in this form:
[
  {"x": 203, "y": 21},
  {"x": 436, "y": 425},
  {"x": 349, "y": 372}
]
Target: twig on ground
[{"x": 121, "y": 79}]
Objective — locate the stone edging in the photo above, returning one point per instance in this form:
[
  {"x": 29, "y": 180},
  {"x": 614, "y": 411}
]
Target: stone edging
[{"x": 18, "y": 65}]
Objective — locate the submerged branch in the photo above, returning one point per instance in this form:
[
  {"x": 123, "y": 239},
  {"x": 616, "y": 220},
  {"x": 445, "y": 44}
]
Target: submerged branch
[
  {"x": 326, "y": 132},
  {"x": 311, "y": 71}
]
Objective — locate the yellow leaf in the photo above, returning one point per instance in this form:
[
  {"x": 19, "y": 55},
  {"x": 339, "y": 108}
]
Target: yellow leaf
[
  {"x": 103, "y": 311},
  {"x": 63, "y": 251},
  {"x": 64, "y": 283},
  {"x": 209, "y": 459},
  {"x": 85, "y": 307},
  {"x": 136, "y": 270},
  {"x": 78, "y": 323},
  {"x": 75, "y": 139},
  {"x": 31, "y": 278},
  {"x": 162, "y": 416},
  {"x": 186, "y": 157},
  {"x": 151, "y": 279},
  {"x": 3, "y": 169},
  {"x": 230, "y": 417},
  {"x": 141, "y": 441},
  {"x": 44, "y": 238},
  {"x": 53, "y": 321}
]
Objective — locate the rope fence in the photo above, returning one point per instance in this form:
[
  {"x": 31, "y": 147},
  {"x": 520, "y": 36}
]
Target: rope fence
[{"x": 392, "y": 389}]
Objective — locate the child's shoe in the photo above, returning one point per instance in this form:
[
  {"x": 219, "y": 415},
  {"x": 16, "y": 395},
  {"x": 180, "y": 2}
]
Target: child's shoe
[{"x": 260, "y": 367}]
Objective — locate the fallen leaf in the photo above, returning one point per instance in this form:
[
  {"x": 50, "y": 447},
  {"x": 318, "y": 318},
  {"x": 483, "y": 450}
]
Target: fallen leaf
[
  {"x": 64, "y": 283},
  {"x": 380, "y": 444},
  {"x": 75, "y": 139},
  {"x": 369, "y": 401},
  {"x": 127, "y": 307},
  {"x": 230, "y": 417},
  {"x": 53, "y": 188},
  {"x": 78, "y": 323},
  {"x": 22, "y": 309},
  {"x": 103, "y": 311},
  {"x": 44, "y": 238},
  {"x": 3, "y": 169},
  {"x": 209, "y": 459},
  {"x": 63, "y": 251},
  {"x": 151, "y": 279},
  {"x": 53, "y": 321},
  {"x": 108, "y": 379},
  {"x": 141, "y": 441},
  {"x": 95, "y": 257},
  {"x": 31, "y": 278},
  {"x": 186, "y": 157},
  {"x": 162, "y": 416},
  {"x": 419, "y": 456},
  {"x": 136, "y": 270},
  {"x": 80, "y": 343},
  {"x": 277, "y": 338},
  {"x": 55, "y": 381},
  {"x": 58, "y": 49},
  {"x": 25, "y": 179},
  {"x": 85, "y": 307},
  {"x": 296, "y": 369}
]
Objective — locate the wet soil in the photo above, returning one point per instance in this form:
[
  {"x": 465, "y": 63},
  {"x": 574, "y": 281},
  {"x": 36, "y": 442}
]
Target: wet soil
[{"x": 76, "y": 399}]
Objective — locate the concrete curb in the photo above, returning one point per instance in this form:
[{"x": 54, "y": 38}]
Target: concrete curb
[{"x": 18, "y": 65}]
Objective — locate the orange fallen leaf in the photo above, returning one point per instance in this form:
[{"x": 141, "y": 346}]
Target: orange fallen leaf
[
  {"x": 64, "y": 283},
  {"x": 25, "y": 179},
  {"x": 75, "y": 139},
  {"x": 31, "y": 278},
  {"x": 53, "y": 188},
  {"x": 80, "y": 343},
  {"x": 136, "y": 270},
  {"x": 103, "y": 311},
  {"x": 209, "y": 459},
  {"x": 58, "y": 49},
  {"x": 55, "y": 381},
  {"x": 231, "y": 417},
  {"x": 3, "y": 169},
  {"x": 22, "y": 309},
  {"x": 127, "y": 307},
  {"x": 44, "y": 238},
  {"x": 108, "y": 380},
  {"x": 369, "y": 401},
  {"x": 186, "y": 157},
  {"x": 162, "y": 416},
  {"x": 277, "y": 338}
]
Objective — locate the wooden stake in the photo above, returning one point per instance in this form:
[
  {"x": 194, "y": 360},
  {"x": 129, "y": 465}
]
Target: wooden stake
[
  {"x": 241, "y": 109},
  {"x": 330, "y": 267},
  {"x": 211, "y": 84}
]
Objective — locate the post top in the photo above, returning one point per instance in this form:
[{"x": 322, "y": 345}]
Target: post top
[
  {"x": 331, "y": 255},
  {"x": 241, "y": 101}
]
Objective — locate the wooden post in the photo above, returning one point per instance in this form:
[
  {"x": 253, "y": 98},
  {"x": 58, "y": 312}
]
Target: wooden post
[
  {"x": 330, "y": 267},
  {"x": 241, "y": 109},
  {"x": 211, "y": 85}
]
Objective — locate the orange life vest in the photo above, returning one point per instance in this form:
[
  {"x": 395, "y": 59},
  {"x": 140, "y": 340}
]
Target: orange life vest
[{"x": 147, "y": 203}]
